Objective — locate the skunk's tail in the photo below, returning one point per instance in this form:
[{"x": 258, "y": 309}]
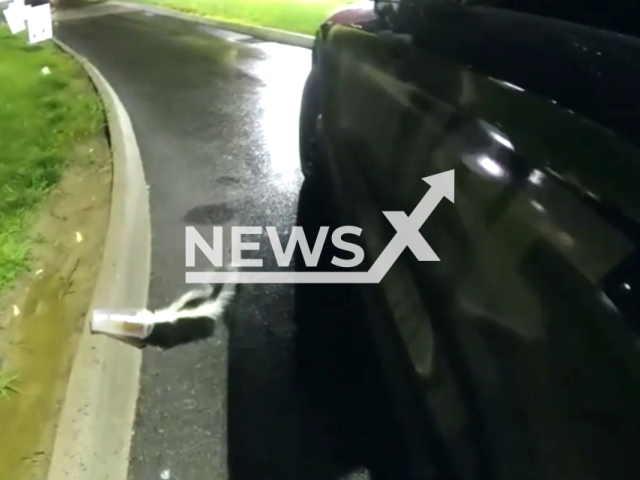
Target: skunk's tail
[{"x": 207, "y": 302}]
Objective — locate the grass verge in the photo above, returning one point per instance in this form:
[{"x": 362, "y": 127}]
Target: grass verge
[
  {"x": 42, "y": 116},
  {"x": 299, "y": 16}
]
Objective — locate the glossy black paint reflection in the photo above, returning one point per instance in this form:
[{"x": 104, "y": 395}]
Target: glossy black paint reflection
[{"x": 532, "y": 312}]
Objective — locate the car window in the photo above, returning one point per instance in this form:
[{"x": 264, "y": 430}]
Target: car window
[{"x": 621, "y": 17}]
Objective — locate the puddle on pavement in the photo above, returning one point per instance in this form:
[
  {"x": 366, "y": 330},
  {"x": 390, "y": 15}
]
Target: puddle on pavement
[
  {"x": 228, "y": 180},
  {"x": 210, "y": 214},
  {"x": 215, "y": 44},
  {"x": 222, "y": 53},
  {"x": 43, "y": 315},
  {"x": 200, "y": 35}
]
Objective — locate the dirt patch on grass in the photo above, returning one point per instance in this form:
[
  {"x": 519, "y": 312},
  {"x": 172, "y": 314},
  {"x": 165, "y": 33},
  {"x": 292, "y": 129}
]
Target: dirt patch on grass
[{"x": 42, "y": 317}]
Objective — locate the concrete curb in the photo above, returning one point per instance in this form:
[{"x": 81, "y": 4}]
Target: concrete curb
[
  {"x": 93, "y": 437},
  {"x": 263, "y": 33}
]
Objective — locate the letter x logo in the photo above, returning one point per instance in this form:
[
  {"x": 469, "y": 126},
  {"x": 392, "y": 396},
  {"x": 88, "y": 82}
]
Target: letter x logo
[{"x": 408, "y": 227}]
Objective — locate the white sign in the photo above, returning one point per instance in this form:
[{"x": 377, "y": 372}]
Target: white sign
[
  {"x": 39, "y": 23},
  {"x": 16, "y": 14}
]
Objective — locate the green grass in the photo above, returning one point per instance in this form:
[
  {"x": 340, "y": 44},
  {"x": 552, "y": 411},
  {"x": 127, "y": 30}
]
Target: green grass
[
  {"x": 300, "y": 16},
  {"x": 8, "y": 384},
  {"x": 41, "y": 116}
]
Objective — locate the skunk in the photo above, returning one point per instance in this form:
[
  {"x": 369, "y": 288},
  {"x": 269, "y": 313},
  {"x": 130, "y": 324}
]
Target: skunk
[{"x": 194, "y": 316}]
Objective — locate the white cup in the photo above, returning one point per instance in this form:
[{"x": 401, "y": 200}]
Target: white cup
[{"x": 136, "y": 323}]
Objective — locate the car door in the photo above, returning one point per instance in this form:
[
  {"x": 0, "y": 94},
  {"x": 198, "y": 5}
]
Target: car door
[
  {"x": 536, "y": 367},
  {"x": 532, "y": 368},
  {"x": 369, "y": 113}
]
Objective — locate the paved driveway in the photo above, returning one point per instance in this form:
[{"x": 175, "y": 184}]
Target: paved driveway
[{"x": 291, "y": 392}]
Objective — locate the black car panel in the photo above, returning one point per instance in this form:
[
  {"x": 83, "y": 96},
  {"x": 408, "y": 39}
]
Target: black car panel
[{"x": 530, "y": 327}]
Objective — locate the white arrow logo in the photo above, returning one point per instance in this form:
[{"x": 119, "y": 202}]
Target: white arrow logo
[
  {"x": 407, "y": 235},
  {"x": 408, "y": 228}
]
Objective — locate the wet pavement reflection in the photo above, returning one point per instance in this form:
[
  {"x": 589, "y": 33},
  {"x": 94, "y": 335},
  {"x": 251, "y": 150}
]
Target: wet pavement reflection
[{"x": 280, "y": 103}]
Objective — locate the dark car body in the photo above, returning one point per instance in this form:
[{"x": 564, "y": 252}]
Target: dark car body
[{"x": 517, "y": 355}]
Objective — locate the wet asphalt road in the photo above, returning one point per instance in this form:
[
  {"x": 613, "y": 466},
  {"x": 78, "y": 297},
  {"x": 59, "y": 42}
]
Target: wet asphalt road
[{"x": 289, "y": 391}]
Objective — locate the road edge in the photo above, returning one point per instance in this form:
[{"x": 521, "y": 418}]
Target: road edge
[
  {"x": 93, "y": 436},
  {"x": 263, "y": 33}
]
